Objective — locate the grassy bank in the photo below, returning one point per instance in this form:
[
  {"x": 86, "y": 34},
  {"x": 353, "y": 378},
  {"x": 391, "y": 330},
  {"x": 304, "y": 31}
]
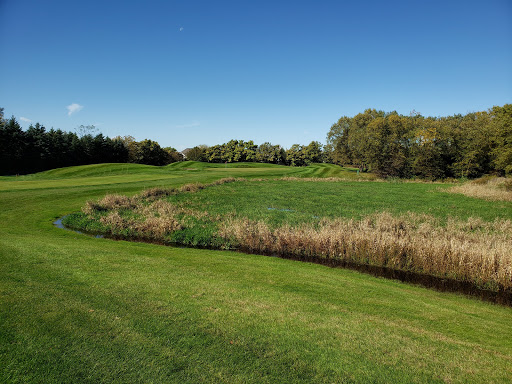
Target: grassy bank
[
  {"x": 80, "y": 309},
  {"x": 412, "y": 227}
]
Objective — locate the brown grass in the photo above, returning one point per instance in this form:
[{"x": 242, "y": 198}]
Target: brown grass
[
  {"x": 154, "y": 228},
  {"x": 487, "y": 188},
  {"x": 469, "y": 251},
  {"x": 473, "y": 250},
  {"x": 155, "y": 193},
  {"x": 109, "y": 202}
]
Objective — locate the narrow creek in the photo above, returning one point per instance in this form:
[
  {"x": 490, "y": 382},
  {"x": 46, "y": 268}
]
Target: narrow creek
[
  {"x": 58, "y": 223},
  {"x": 502, "y": 297}
]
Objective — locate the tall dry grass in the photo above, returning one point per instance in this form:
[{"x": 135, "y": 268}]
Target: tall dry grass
[
  {"x": 472, "y": 250},
  {"x": 109, "y": 202},
  {"x": 152, "y": 217},
  {"x": 487, "y": 188},
  {"x": 150, "y": 221},
  {"x": 468, "y": 251}
]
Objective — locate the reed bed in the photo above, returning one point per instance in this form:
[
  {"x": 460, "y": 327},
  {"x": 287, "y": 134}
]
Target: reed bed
[
  {"x": 472, "y": 250},
  {"x": 487, "y": 188}
]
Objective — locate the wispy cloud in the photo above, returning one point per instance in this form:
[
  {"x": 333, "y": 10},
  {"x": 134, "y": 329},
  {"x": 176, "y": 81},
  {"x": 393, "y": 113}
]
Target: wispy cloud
[
  {"x": 73, "y": 108},
  {"x": 191, "y": 125},
  {"x": 181, "y": 29},
  {"x": 25, "y": 119}
]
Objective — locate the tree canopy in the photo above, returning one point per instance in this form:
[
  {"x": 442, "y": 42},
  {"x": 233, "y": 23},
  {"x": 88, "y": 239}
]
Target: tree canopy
[{"x": 390, "y": 144}]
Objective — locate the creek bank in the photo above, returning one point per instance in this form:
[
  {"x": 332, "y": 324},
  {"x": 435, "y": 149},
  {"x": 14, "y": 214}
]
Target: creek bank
[
  {"x": 501, "y": 297},
  {"x": 59, "y": 224}
]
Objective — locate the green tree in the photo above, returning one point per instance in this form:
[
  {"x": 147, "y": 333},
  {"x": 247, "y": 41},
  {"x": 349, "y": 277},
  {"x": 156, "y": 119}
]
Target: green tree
[
  {"x": 427, "y": 161},
  {"x": 174, "y": 155},
  {"x": 197, "y": 153},
  {"x": 12, "y": 144},
  {"x": 338, "y": 142},
  {"x": 474, "y": 152},
  {"x": 313, "y": 153},
  {"x": 295, "y": 155},
  {"x": 214, "y": 154},
  {"x": 501, "y": 129},
  {"x": 268, "y": 153},
  {"x": 149, "y": 152}
]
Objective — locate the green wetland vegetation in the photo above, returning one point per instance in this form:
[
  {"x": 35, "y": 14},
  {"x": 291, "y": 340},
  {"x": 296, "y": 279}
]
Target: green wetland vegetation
[{"x": 75, "y": 308}]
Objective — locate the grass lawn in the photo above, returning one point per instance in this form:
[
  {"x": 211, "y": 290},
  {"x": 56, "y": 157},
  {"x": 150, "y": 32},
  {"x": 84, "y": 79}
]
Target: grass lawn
[
  {"x": 79, "y": 309},
  {"x": 295, "y": 202}
]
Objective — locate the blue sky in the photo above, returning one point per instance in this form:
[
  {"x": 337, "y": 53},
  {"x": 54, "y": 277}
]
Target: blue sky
[{"x": 185, "y": 73}]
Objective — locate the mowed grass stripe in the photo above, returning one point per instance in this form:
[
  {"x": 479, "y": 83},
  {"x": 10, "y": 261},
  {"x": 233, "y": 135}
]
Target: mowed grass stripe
[{"x": 79, "y": 309}]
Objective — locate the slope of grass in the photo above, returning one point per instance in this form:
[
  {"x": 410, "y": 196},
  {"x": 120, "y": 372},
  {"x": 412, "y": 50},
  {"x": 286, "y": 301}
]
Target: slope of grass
[{"x": 79, "y": 309}]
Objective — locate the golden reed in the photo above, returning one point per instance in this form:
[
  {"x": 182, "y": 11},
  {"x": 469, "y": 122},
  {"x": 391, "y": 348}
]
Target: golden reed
[{"x": 470, "y": 250}]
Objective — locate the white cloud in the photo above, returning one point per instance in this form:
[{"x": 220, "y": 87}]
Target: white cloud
[
  {"x": 25, "y": 119},
  {"x": 72, "y": 108},
  {"x": 181, "y": 29},
  {"x": 191, "y": 125}
]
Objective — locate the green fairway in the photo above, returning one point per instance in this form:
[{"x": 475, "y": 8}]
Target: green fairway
[{"x": 74, "y": 308}]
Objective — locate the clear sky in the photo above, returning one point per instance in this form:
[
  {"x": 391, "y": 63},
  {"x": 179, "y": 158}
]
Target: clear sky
[{"x": 194, "y": 72}]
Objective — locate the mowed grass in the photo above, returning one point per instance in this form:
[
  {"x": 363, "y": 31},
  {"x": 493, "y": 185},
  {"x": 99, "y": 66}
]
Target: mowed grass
[{"x": 78, "y": 309}]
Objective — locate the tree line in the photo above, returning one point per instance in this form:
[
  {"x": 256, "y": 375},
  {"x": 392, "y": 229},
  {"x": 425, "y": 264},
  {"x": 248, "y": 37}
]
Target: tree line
[
  {"x": 393, "y": 145},
  {"x": 38, "y": 149},
  {"x": 246, "y": 151},
  {"x": 386, "y": 143}
]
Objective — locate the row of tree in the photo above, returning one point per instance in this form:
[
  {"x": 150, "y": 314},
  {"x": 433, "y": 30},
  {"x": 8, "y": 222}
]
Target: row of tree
[
  {"x": 239, "y": 151},
  {"x": 38, "y": 149},
  {"x": 390, "y": 144}
]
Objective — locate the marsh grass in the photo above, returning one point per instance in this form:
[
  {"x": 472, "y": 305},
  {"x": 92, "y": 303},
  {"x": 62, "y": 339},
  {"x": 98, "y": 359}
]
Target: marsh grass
[
  {"x": 465, "y": 249},
  {"x": 487, "y": 188}
]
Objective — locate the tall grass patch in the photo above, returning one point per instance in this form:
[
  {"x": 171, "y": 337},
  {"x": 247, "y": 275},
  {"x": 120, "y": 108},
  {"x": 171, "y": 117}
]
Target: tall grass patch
[
  {"x": 406, "y": 227},
  {"x": 487, "y": 188}
]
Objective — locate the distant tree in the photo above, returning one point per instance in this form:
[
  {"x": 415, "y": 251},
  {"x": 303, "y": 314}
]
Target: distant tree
[
  {"x": 197, "y": 153},
  {"x": 149, "y": 152},
  {"x": 231, "y": 152},
  {"x": 387, "y": 145},
  {"x": 268, "y": 153},
  {"x": 130, "y": 144},
  {"x": 501, "y": 131},
  {"x": 474, "y": 152},
  {"x": 361, "y": 137},
  {"x": 37, "y": 152},
  {"x": 12, "y": 146},
  {"x": 295, "y": 156},
  {"x": 214, "y": 154},
  {"x": 337, "y": 141},
  {"x": 313, "y": 153},
  {"x": 249, "y": 151},
  {"x": 119, "y": 152},
  {"x": 427, "y": 160},
  {"x": 174, "y": 155},
  {"x": 84, "y": 130}
]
